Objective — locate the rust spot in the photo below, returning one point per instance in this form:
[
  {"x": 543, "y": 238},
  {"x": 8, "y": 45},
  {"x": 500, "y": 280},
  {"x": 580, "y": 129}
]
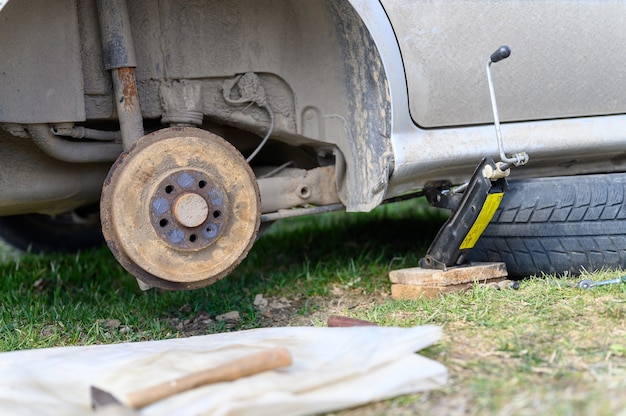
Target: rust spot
[{"x": 130, "y": 96}]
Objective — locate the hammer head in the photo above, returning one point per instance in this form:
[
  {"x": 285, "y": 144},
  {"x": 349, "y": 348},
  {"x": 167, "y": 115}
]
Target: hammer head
[{"x": 105, "y": 403}]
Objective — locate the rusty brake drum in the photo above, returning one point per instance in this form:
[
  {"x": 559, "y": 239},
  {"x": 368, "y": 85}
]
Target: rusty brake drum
[{"x": 180, "y": 208}]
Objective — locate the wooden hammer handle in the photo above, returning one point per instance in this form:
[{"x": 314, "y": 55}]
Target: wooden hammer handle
[{"x": 246, "y": 366}]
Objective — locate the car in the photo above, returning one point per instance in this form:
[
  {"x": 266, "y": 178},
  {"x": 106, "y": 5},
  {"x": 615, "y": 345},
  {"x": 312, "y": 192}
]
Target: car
[{"x": 178, "y": 129}]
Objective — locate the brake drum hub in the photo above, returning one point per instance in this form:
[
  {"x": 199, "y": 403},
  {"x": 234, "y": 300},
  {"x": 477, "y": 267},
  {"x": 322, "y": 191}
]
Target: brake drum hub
[
  {"x": 181, "y": 208},
  {"x": 188, "y": 210}
]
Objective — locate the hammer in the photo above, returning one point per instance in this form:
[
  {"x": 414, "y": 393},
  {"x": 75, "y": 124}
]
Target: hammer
[{"x": 246, "y": 366}]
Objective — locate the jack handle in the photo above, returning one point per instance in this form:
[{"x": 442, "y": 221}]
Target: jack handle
[{"x": 517, "y": 159}]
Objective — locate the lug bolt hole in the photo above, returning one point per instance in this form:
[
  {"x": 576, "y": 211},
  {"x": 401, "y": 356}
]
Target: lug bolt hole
[
  {"x": 201, "y": 184},
  {"x": 163, "y": 223},
  {"x": 217, "y": 214},
  {"x": 169, "y": 189},
  {"x": 193, "y": 238},
  {"x": 304, "y": 192}
]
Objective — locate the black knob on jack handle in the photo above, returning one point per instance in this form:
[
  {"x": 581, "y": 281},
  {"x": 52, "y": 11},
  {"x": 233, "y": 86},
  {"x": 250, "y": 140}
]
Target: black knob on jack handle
[{"x": 501, "y": 53}]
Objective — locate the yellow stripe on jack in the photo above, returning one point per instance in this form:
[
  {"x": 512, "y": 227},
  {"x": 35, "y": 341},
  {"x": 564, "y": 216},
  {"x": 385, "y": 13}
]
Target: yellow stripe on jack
[{"x": 486, "y": 214}]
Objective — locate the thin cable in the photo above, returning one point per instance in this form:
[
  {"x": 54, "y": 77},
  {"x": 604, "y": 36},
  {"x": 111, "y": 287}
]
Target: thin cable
[
  {"x": 275, "y": 171},
  {"x": 267, "y": 136}
]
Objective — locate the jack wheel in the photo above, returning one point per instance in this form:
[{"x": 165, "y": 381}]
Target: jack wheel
[{"x": 180, "y": 208}]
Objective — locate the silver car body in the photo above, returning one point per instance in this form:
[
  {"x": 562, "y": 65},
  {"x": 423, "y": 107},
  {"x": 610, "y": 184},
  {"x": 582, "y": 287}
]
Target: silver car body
[{"x": 560, "y": 93}]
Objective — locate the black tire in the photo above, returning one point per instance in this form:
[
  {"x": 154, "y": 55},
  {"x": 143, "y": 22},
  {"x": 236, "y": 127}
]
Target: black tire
[
  {"x": 64, "y": 233},
  {"x": 558, "y": 225}
]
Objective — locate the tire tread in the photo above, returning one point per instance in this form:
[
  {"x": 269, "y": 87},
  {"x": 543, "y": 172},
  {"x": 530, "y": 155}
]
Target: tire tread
[{"x": 558, "y": 225}]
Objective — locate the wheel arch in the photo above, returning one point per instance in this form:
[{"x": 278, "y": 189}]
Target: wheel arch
[
  {"x": 318, "y": 63},
  {"x": 369, "y": 155}
]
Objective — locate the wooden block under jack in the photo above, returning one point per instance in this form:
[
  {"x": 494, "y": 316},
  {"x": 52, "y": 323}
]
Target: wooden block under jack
[{"x": 416, "y": 282}]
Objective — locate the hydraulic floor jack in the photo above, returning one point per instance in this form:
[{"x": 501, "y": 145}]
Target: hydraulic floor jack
[{"x": 445, "y": 267}]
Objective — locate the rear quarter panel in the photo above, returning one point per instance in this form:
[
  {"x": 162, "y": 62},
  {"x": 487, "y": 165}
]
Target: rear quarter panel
[{"x": 567, "y": 58}]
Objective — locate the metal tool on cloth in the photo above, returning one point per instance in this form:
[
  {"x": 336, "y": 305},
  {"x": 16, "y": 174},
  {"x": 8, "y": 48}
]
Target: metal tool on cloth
[
  {"x": 246, "y": 366},
  {"x": 588, "y": 284}
]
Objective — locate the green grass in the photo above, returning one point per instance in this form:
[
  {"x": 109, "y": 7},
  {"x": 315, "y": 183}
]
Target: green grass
[
  {"x": 66, "y": 300},
  {"x": 547, "y": 348}
]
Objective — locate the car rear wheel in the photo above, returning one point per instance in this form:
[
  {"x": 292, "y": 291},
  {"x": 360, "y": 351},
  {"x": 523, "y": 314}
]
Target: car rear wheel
[{"x": 558, "y": 225}]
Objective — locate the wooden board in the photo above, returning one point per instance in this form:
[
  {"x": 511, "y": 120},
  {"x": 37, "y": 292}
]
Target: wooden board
[
  {"x": 452, "y": 276},
  {"x": 408, "y": 292},
  {"x": 414, "y": 283}
]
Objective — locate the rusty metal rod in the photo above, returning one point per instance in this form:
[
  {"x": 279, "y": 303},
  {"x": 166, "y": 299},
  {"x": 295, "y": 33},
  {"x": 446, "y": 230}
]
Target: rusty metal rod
[
  {"x": 119, "y": 58},
  {"x": 127, "y": 101}
]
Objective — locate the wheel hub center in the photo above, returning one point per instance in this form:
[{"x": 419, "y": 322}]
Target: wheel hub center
[
  {"x": 191, "y": 210},
  {"x": 188, "y": 210}
]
